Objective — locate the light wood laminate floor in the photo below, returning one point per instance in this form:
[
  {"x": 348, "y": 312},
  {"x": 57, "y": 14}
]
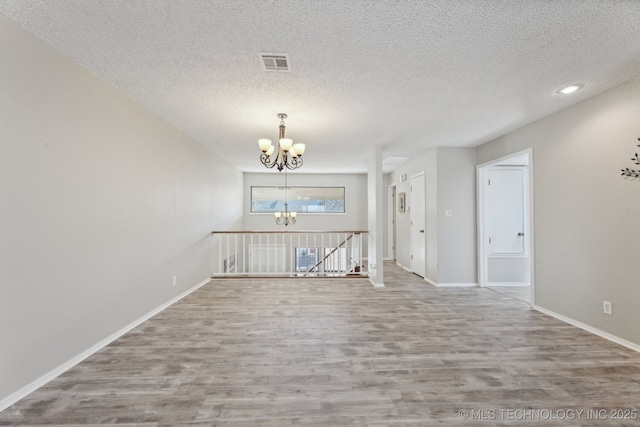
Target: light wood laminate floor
[
  {"x": 521, "y": 293},
  {"x": 342, "y": 353}
]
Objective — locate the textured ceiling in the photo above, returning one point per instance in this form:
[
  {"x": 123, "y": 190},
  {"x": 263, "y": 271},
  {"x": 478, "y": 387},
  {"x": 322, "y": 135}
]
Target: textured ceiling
[{"x": 407, "y": 75}]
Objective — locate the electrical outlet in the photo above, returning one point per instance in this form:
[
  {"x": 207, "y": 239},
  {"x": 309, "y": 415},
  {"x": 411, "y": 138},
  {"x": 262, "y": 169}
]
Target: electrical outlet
[
  {"x": 175, "y": 280},
  {"x": 607, "y": 307}
]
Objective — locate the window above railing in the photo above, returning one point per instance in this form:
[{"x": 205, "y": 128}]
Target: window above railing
[{"x": 300, "y": 199}]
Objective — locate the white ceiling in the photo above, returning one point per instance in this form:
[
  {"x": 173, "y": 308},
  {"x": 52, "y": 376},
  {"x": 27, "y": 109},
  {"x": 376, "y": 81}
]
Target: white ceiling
[{"x": 406, "y": 74}]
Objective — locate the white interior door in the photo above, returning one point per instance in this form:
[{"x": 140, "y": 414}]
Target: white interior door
[
  {"x": 391, "y": 226},
  {"x": 505, "y": 211},
  {"x": 417, "y": 215},
  {"x": 505, "y": 229}
]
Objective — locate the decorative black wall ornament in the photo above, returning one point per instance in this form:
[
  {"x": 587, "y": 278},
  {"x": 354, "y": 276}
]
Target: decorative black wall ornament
[{"x": 633, "y": 173}]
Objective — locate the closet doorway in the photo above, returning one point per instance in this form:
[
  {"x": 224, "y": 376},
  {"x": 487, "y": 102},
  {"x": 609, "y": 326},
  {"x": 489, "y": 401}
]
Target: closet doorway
[{"x": 505, "y": 258}]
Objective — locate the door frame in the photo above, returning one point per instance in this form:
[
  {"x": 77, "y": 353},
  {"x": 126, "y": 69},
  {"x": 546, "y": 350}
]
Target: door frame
[
  {"x": 481, "y": 172},
  {"x": 392, "y": 247},
  {"x": 410, "y": 205}
]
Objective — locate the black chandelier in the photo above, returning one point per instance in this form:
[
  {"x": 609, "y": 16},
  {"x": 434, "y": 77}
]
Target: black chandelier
[{"x": 287, "y": 154}]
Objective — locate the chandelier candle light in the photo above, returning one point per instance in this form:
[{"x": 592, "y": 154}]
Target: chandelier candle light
[{"x": 288, "y": 154}]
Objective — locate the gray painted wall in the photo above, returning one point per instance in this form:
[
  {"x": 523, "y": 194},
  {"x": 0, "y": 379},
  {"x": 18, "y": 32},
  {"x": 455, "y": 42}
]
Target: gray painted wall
[
  {"x": 450, "y": 241},
  {"x": 457, "y": 260},
  {"x": 586, "y": 218},
  {"x": 101, "y": 204},
  {"x": 431, "y": 187},
  {"x": 386, "y": 254},
  {"x": 355, "y": 217}
]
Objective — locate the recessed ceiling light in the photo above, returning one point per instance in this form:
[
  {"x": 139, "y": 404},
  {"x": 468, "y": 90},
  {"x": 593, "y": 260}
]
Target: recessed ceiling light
[{"x": 570, "y": 89}]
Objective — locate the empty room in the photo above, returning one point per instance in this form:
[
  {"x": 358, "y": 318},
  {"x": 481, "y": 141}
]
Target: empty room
[{"x": 319, "y": 213}]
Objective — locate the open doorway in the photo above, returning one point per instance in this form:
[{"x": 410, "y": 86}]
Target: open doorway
[{"x": 505, "y": 231}]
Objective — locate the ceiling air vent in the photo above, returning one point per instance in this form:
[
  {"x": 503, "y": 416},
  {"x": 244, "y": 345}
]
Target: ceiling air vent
[{"x": 275, "y": 62}]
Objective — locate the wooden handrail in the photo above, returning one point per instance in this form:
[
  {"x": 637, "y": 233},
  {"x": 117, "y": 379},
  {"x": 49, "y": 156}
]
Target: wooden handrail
[{"x": 291, "y": 232}]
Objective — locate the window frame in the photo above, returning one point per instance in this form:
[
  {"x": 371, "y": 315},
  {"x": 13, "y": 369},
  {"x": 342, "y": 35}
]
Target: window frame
[{"x": 270, "y": 212}]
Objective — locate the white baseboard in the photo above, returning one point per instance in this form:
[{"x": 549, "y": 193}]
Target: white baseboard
[
  {"x": 403, "y": 267},
  {"x": 456, "y": 285},
  {"x": 449, "y": 285},
  {"x": 441, "y": 285},
  {"x": 498, "y": 284},
  {"x": 376, "y": 284},
  {"x": 431, "y": 282},
  {"x": 33, "y": 386},
  {"x": 596, "y": 331}
]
